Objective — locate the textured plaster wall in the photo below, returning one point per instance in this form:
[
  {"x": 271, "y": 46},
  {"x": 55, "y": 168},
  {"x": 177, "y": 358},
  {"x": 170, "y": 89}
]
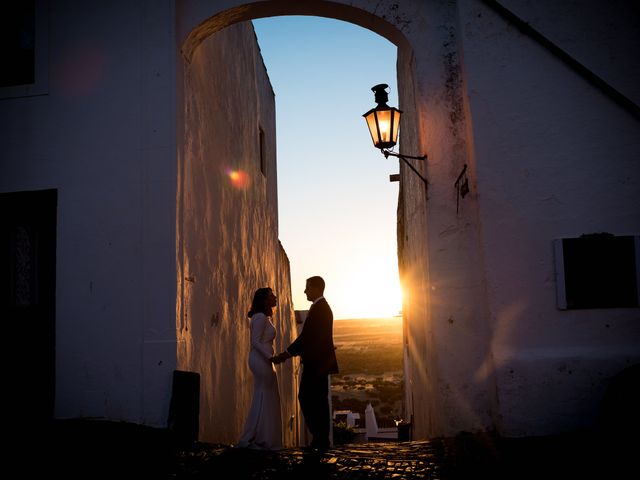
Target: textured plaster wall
[
  {"x": 553, "y": 158},
  {"x": 228, "y": 230},
  {"x": 421, "y": 397},
  {"x": 452, "y": 366},
  {"x": 603, "y": 36},
  {"x": 101, "y": 131}
]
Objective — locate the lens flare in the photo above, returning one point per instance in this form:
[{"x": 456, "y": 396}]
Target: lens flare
[
  {"x": 239, "y": 179},
  {"x": 82, "y": 71}
]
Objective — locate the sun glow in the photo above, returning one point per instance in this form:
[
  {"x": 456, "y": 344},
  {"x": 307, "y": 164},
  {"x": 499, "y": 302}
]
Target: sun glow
[
  {"x": 384, "y": 299},
  {"x": 364, "y": 291}
]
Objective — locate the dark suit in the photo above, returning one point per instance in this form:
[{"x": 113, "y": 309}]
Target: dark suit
[{"x": 315, "y": 347}]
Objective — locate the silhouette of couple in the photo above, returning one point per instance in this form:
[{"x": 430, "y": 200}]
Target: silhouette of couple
[{"x": 314, "y": 345}]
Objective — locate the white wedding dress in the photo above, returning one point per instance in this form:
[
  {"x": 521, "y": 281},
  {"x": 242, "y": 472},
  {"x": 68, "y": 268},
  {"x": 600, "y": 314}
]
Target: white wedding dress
[{"x": 263, "y": 427}]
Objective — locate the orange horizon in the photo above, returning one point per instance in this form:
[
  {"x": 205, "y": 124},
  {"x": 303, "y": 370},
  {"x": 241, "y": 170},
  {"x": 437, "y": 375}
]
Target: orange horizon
[{"x": 394, "y": 317}]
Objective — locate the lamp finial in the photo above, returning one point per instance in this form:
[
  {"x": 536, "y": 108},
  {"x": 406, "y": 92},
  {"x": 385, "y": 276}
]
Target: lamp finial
[{"x": 381, "y": 95}]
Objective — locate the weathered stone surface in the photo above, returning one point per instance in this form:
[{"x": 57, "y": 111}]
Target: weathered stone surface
[{"x": 228, "y": 230}]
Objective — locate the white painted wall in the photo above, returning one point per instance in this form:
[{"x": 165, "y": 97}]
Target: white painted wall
[
  {"x": 102, "y": 132},
  {"x": 548, "y": 157},
  {"x": 554, "y": 158},
  {"x": 228, "y": 232}
]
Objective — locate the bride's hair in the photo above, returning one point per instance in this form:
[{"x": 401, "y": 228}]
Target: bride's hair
[{"x": 259, "y": 304}]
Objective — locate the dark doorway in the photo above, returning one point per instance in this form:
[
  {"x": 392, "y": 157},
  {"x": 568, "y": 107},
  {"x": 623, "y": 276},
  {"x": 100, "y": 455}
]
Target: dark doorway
[{"x": 27, "y": 303}]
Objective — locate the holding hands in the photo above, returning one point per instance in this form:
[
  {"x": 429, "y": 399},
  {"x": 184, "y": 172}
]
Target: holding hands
[{"x": 281, "y": 357}]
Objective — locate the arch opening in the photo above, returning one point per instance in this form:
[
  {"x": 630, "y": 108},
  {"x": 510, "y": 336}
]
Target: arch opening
[
  {"x": 361, "y": 18},
  {"x": 193, "y": 35}
]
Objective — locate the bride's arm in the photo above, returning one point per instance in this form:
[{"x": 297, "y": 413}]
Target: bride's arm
[{"x": 258, "y": 324}]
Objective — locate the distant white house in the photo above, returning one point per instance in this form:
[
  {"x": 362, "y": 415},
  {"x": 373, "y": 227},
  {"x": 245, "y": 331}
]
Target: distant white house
[
  {"x": 347, "y": 416},
  {"x": 373, "y": 432}
]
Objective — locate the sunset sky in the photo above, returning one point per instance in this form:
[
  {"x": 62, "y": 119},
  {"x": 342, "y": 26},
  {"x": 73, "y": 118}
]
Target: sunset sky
[{"x": 337, "y": 208}]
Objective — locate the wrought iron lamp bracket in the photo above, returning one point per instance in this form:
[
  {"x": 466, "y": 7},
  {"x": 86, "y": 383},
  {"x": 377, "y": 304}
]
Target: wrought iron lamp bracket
[{"x": 404, "y": 158}]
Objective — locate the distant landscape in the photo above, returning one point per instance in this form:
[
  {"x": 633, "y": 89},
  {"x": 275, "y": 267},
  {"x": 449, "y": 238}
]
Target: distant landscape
[{"x": 369, "y": 355}]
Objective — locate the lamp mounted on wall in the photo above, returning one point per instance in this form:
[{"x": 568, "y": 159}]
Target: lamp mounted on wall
[{"x": 383, "y": 122}]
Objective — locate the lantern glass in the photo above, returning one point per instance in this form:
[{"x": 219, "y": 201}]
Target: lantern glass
[{"x": 383, "y": 126}]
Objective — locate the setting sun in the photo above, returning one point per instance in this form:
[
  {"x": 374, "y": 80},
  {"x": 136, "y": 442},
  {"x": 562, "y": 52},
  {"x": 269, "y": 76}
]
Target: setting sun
[
  {"x": 362, "y": 294},
  {"x": 365, "y": 289}
]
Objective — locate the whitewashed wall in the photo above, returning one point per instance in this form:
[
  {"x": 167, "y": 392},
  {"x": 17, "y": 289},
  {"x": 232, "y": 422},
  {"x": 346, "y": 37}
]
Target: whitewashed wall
[
  {"x": 101, "y": 130},
  {"x": 228, "y": 231},
  {"x": 547, "y": 157},
  {"x": 553, "y": 157},
  {"x": 101, "y": 127}
]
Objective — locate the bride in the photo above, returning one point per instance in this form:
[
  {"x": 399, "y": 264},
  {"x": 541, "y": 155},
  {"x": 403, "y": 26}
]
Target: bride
[{"x": 263, "y": 427}]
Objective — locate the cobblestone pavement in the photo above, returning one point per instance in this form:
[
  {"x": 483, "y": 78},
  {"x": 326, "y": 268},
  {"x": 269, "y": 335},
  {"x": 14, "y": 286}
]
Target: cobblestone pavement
[
  {"x": 406, "y": 460},
  {"x": 480, "y": 456},
  {"x": 97, "y": 449}
]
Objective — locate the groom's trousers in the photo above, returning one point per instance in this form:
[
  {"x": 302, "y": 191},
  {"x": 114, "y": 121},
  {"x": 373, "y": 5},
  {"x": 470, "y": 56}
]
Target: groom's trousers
[{"x": 314, "y": 403}]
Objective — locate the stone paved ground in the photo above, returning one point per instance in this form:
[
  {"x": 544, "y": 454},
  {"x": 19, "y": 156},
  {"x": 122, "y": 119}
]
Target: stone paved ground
[
  {"x": 464, "y": 457},
  {"x": 95, "y": 449},
  {"x": 407, "y": 460}
]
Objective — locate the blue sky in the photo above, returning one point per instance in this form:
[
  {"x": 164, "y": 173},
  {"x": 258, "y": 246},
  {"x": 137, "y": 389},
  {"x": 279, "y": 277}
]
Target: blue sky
[{"x": 337, "y": 208}]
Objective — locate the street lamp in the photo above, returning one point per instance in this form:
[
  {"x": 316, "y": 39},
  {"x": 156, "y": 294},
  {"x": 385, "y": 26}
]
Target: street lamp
[{"x": 383, "y": 122}]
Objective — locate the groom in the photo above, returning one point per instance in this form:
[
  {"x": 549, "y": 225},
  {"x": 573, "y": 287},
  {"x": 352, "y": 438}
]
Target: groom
[{"x": 318, "y": 356}]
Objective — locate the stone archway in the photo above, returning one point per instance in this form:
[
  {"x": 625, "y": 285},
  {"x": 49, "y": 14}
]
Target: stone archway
[
  {"x": 430, "y": 93},
  {"x": 213, "y": 380}
]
